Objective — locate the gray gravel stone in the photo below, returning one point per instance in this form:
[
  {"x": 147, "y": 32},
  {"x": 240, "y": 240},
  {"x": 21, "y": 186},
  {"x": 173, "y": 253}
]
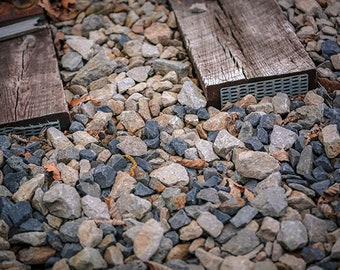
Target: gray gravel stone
[
  {"x": 271, "y": 201},
  {"x": 94, "y": 208},
  {"x": 244, "y": 216},
  {"x": 242, "y": 243},
  {"x": 281, "y": 138},
  {"x": 164, "y": 66},
  {"x": 72, "y": 61},
  {"x": 292, "y": 235},
  {"x": 305, "y": 164},
  {"x": 132, "y": 145},
  {"x": 63, "y": 201},
  {"x": 225, "y": 142},
  {"x": 190, "y": 95},
  {"x": 88, "y": 258},
  {"x": 171, "y": 174},
  {"x": 209, "y": 223}
]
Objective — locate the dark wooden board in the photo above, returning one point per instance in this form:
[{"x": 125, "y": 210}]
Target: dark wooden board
[
  {"x": 238, "y": 42},
  {"x": 31, "y": 91}
]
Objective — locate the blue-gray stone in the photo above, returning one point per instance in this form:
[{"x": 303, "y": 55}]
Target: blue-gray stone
[
  {"x": 208, "y": 195},
  {"x": 34, "y": 160},
  {"x": 111, "y": 128},
  {"x": 294, "y": 157},
  {"x": 103, "y": 108},
  {"x": 262, "y": 135},
  {"x": 117, "y": 162},
  {"x": 223, "y": 217},
  {"x": 318, "y": 148},
  {"x": 244, "y": 216},
  {"x": 76, "y": 126},
  {"x": 177, "y": 264},
  {"x": 33, "y": 146},
  {"x": 54, "y": 240},
  {"x": 31, "y": 225},
  {"x": 18, "y": 149},
  {"x": 70, "y": 249},
  {"x": 190, "y": 110},
  {"x": 82, "y": 118},
  {"x": 20, "y": 212},
  {"x": 253, "y": 143},
  {"x": 285, "y": 168},
  {"x": 7, "y": 153},
  {"x": 5, "y": 208},
  {"x": 113, "y": 146},
  {"x": 66, "y": 155},
  {"x": 152, "y": 143},
  {"x": 123, "y": 39},
  {"x": 239, "y": 110},
  {"x": 320, "y": 187},
  {"x": 203, "y": 114},
  {"x": 88, "y": 188},
  {"x": 40, "y": 153},
  {"x": 17, "y": 163},
  {"x": 292, "y": 235},
  {"x": 296, "y": 181},
  {"x": 104, "y": 175},
  {"x": 142, "y": 190},
  {"x": 108, "y": 229},
  {"x": 13, "y": 180},
  {"x": 88, "y": 154},
  {"x": 91, "y": 22},
  {"x": 5, "y": 143},
  {"x": 173, "y": 236},
  {"x": 212, "y": 181},
  {"x": 68, "y": 232},
  {"x": 146, "y": 166},
  {"x": 212, "y": 136},
  {"x": 169, "y": 149},
  {"x": 336, "y": 175},
  {"x": 253, "y": 118},
  {"x": 267, "y": 121},
  {"x": 305, "y": 164},
  {"x": 191, "y": 196},
  {"x": 320, "y": 174},
  {"x": 151, "y": 129},
  {"x": 179, "y": 145},
  {"x": 323, "y": 162},
  {"x": 179, "y": 111},
  {"x": 329, "y": 48},
  {"x": 294, "y": 104},
  {"x": 179, "y": 220},
  {"x": 311, "y": 255},
  {"x": 72, "y": 61}
]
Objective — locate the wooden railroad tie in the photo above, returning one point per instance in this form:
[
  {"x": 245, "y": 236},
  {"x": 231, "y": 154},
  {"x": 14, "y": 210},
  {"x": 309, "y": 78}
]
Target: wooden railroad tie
[{"x": 243, "y": 47}]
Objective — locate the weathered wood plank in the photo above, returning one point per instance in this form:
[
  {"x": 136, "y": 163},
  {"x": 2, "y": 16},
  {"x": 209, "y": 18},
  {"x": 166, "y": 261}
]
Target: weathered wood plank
[
  {"x": 237, "y": 42},
  {"x": 31, "y": 90}
]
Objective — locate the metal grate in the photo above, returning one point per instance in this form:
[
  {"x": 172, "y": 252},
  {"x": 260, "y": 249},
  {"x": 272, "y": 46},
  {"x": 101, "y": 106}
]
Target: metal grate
[
  {"x": 293, "y": 85},
  {"x": 28, "y": 131}
]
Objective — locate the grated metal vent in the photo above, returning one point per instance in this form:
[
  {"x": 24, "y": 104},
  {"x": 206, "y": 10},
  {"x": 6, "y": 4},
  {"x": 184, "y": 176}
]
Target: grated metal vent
[
  {"x": 28, "y": 131},
  {"x": 293, "y": 85}
]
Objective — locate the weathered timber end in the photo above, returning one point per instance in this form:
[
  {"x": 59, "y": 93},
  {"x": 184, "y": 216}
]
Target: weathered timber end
[
  {"x": 31, "y": 91},
  {"x": 243, "y": 47}
]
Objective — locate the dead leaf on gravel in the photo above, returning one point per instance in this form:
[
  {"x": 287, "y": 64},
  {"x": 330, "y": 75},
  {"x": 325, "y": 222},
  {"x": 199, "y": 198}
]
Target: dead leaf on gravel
[
  {"x": 329, "y": 85},
  {"x": 290, "y": 119},
  {"x": 64, "y": 11},
  {"x": 197, "y": 164},
  {"x": 87, "y": 97},
  {"x": 52, "y": 168},
  {"x": 313, "y": 133},
  {"x": 156, "y": 266},
  {"x": 327, "y": 199},
  {"x": 281, "y": 155},
  {"x": 231, "y": 124},
  {"x": 236, "y": 190}
]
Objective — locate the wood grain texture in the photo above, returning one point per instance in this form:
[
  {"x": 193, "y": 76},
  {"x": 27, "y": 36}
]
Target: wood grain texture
[
  {"x": 31, "y": 90},
  {"x": 236, "y": 42}
]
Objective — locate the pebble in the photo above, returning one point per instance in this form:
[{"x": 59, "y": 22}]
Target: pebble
[{"x": 88, "y": 258}]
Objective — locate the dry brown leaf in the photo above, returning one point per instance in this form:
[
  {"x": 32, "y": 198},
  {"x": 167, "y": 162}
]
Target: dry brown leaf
[
  {"x": 114, "y": 222},
  {"x": 327, "y": 198},
  {"x": 75, "y": 102},
  {"x": 236, "y": 190},
  {"x": 239, "y": 202},
  {"x": 313, "y": 133},
  {"x": 290, "y": 119},
  {"x": 231, "y": 124},
  {"x": 27, "y": 155},
  {"x": 249, "y": 195},
  {"x": 52, "y": 168},
  {"x": 113, "y": 210},
  {"x": 59, "y": 12},
  {"x": 197, "y": 164},
  {"x": 329, "y": 85},
  {"x": 201, "y": 132},
  {"x": 67, "y": 4},
  {"x": 281, "y": 155},
  {"x": 156, "y": 266}
]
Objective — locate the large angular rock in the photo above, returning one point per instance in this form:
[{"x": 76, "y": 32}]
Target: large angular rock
[
  {"x": 252, "y": 164},
  {"x": 190, "y": 95},
  {"x": 281, "y": 138},
  {"x": 148, "y": 239},
  {"x": 57, "y": 138},
  {"x": 225, "y": 142},
  {"x": 164, "y": 66},
  {"x": 132, "y": 121},
  {"x": 88, "y": 258},
  {"x": 171, "y": 175},
  {"x": 94, "y": 208},
  {"x": 330, "y": 138},
  {"x": 132, "y": 145},
  {"x": 292, "y": 235},
  {"x": 63, "y": 201},
  {"x": 101, "y": 65}
]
